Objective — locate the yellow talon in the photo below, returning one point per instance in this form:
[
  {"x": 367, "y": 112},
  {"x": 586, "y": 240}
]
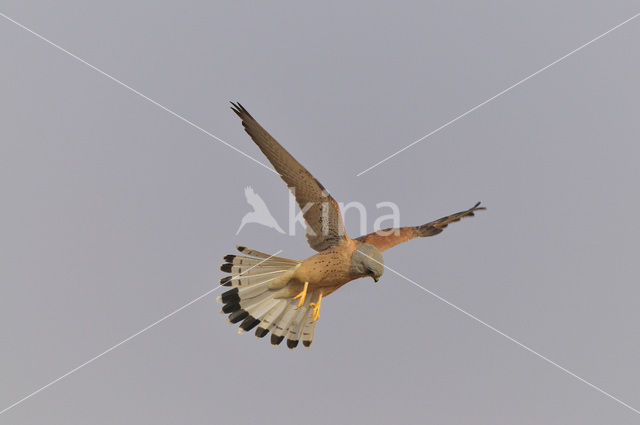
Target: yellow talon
[
  {"x": 316, "y": 308},
  {"x": 302, "y": 295}
]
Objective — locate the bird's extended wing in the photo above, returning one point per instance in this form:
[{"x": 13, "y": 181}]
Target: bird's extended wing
[
  {"x": 321, "y": 212},
  {"x": 388, "y": 238}
]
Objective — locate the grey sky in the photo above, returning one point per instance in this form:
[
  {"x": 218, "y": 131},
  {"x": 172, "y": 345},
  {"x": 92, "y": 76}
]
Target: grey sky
[{"x": 115, "y": 213}]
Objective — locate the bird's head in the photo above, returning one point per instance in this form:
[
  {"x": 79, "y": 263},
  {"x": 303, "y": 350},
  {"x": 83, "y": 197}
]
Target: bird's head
[{"x": 367, "y": 261}]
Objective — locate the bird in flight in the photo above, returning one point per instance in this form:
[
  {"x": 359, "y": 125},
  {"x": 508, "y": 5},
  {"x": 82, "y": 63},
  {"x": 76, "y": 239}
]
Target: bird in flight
[{"x": 283, "y": 296}]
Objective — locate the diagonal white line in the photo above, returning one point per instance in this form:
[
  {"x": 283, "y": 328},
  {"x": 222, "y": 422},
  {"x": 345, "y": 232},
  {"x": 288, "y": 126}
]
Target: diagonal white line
[
  {"x": 270, "y": 169},
  {"x": 499, "y": 332},
  {"x": 124, "y": 341},
  {"x": 114, "y": 79},
  {"x": 107, "y": 351},
  {"x": 480, "y": 105}
]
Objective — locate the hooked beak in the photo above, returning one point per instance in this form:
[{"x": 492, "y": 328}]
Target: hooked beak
[{"x": 376, "y": 278}]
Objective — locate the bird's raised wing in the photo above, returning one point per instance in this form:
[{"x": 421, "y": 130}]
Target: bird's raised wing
[
  {"x": 388, "y": 238},
  {"x": 320, "y": 211}
]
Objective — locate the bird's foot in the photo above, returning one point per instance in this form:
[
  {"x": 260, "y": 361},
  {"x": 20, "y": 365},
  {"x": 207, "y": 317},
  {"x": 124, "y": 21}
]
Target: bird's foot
[
  {"x": 302, "y": 295},
  {"x": 316, "y": 308}
]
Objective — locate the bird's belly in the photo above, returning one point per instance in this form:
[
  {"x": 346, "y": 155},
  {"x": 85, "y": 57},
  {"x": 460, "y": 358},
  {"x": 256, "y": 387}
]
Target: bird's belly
[{"x": 324, "y": 271}]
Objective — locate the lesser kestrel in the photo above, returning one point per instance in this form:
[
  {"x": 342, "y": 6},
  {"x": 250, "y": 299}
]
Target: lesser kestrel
[{"x": 283, "y": 296}]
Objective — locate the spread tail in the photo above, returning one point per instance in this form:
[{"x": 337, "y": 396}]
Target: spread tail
[{"x": 260, "y": 297}]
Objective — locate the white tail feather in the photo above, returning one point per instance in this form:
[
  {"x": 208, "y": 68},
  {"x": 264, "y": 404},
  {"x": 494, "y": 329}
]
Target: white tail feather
[
  {"x": 273, "y": 315},
  {"x": 297, "y": 324},
  {"x": 254, "y": 253},
  {"x": 249, "y": 303},
  {"x": 257, "y": 270},
  {"x": 282, "y": 325},
  {"x": 259, "y": 312},
  {"x": 307, "y": 333},
  {"x": 254, "y": 290},
  {"x": 258, "y": 309},
  {"x": 256, "y": 280},
  {"x": 252, "y": 280},
  {"x": 239, "y": 260}
]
